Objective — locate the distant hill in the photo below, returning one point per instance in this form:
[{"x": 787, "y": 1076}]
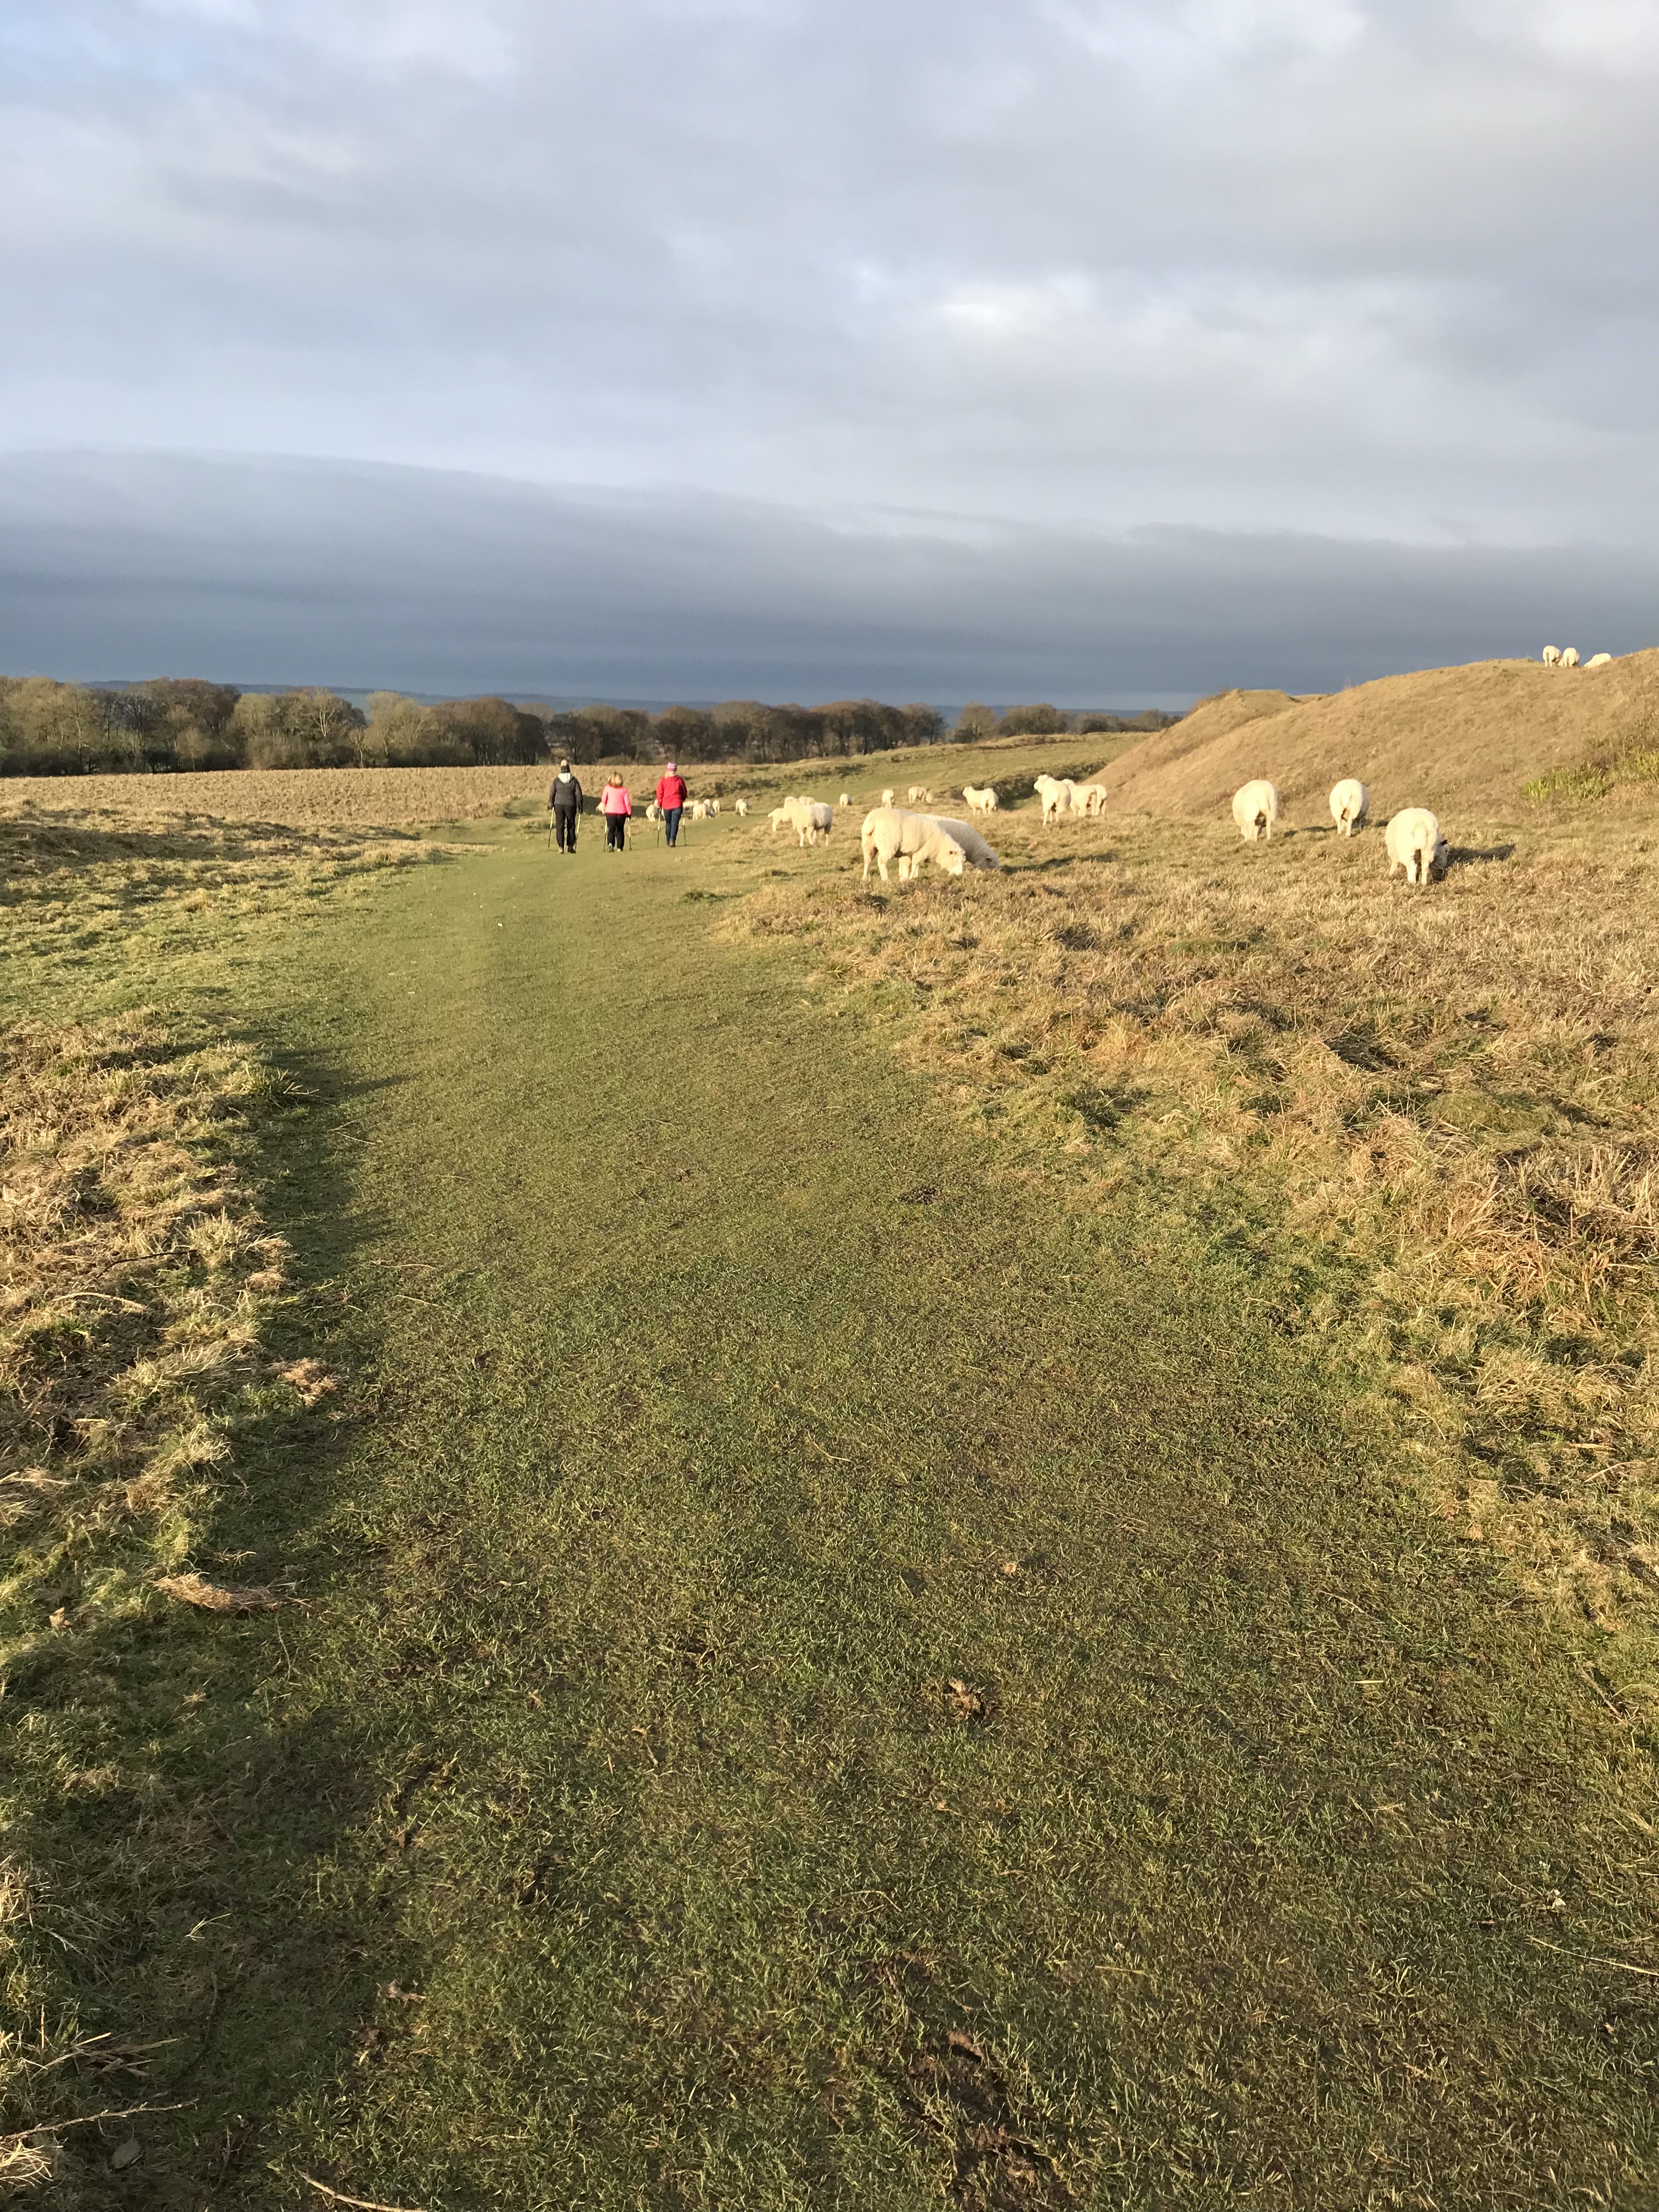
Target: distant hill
[{"x": 1456, "y": 739}]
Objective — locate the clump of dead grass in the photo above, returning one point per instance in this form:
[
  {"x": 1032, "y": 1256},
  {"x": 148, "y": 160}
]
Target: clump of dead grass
[
  {"x": 1427, "y": 1125},
  {"x": 138, "y": 1279}
]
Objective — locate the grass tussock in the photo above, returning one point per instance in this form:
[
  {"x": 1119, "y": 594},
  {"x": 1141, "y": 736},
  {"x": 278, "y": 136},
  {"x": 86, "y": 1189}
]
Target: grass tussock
[
  {"x": 138, "y": 1280},
  {"x": 1426, "y": 1126}
]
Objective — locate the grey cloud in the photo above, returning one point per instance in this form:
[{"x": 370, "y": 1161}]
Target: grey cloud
[{"x": 362, "y": 575}]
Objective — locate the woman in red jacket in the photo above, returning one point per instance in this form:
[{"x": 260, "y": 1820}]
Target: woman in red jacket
[
  {"x": 670, "y": 797},
  {"x": 616, "y": 806}
]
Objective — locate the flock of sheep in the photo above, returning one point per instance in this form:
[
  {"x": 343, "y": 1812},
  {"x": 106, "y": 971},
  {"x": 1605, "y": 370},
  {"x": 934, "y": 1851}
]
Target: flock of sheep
[
  {"x": 1415, "y": 847},
  {"x": 1554, "y": 657}
]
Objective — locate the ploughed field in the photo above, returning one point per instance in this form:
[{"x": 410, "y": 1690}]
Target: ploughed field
[{"x": 692, "y": 1534}]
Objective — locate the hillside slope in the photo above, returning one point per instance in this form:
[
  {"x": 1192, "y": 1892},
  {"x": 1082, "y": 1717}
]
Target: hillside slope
[{"x": 1457, "y": 739}]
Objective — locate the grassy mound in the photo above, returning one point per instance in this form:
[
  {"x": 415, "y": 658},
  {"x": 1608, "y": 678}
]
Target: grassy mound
[{"x": 1460, "y": 740}]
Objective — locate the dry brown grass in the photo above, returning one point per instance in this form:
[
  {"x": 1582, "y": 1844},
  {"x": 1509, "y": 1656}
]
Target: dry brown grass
[
  {"x": 1460, "y": 740},
  {"x": 309, "y": 796},
  {"x": 136, "y": 1281},
  {"x": 1424, "y": 1124}
]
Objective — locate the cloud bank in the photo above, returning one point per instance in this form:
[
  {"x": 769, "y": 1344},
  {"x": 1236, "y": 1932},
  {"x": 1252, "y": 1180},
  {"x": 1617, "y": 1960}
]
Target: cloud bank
[{"x": 1309, "y": 320}]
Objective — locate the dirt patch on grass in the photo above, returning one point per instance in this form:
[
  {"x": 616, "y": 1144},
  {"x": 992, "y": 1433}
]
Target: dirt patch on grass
[
  {"x": 1460, "y": 740},
  {"x": 1424, "y": 1126},
  {"x": 138, "y": 1280}
]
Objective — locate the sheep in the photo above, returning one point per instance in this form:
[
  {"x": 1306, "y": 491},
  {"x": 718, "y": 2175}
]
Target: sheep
[
  {"x": 1552, "y": 656},
  {"x": 846, "y": 799},
  {"x": 809, "y": 818},
  {"x": 982, "y": 799},
  {"x": 914, "y": 793},
  {"x": 1255, "y": 809},
  {"x": 778, "y": 818},
  {"x": 1351, "y": 806},
  {"x": 1058, "y": 794},
  {"x": 1570, "y": 657},
  {"x": 714, "y": 807},
  {"x": 652, "y": 812},
  {"x": 892, "y": 833},
  {"x": 741, "y": 806},
  {"x": 888, "y": 797},
  {"x": 1416, "y": 848},
  {"x": 1091, "y": 799},
  {"x": 1598, "y": 661}
]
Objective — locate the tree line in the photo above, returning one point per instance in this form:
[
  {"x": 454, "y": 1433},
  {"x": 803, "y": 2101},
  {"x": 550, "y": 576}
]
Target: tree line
[{"x": 184, "y": 723}]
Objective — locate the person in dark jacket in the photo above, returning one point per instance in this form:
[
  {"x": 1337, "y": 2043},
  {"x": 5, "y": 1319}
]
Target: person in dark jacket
[
  {"x": 565, "y": 802},
  {"x": 671, "y": 798}
]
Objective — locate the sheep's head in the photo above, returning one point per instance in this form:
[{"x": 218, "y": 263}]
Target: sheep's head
[{"x": 951, "y": 856}]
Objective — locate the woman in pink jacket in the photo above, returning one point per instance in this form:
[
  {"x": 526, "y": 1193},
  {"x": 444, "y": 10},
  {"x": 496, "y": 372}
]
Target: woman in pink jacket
[{"x": 616, "y": 806}]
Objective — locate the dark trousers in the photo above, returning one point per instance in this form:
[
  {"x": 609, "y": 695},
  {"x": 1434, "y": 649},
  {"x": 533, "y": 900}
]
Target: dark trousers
[
  {"x": 614, "y": 826},
  {"x": 564, "y": 828},
  {"x": 671, "y": 821}
]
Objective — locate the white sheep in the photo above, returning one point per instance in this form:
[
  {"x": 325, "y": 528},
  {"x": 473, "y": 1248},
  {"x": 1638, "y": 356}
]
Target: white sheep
[
  {"x": 1351, "y": 806},
  {"x": 1570, "y": 657},
  {"x": 888, "y": 797},
  {"x": 1255, "y": 809},
  {"x": 1598, "y": 661},
  {"x": 846, "y": 799},
  {"x": 1091, "y": 799},
  {"x": 1416, "y": 848},
  {"x": 778, "y": 818},
  {"x": 741, "y": 806},
  {"x": 714, "y": 807},
  {"x": 810, "y": 818},
  {"x": 892, "y": 833},
  {"x": 1058, "y": 794},
  {"x": 914, "y": 793},
  {"x": 981, "y": 797},
  {"x": 652, "y": 812},
  {"x": 1552, "y": 656}
]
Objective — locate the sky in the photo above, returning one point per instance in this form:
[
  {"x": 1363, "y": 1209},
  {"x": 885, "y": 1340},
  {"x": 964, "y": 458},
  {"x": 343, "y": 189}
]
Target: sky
[{"x": 1103, "y": 350}]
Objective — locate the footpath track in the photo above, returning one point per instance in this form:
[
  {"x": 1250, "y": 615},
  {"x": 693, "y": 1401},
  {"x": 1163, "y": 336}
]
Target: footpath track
[{"x": 828, "y": 1680}]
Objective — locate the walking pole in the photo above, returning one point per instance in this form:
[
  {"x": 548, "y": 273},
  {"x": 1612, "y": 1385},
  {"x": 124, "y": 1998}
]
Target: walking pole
[{"x": 550, "y": 829}]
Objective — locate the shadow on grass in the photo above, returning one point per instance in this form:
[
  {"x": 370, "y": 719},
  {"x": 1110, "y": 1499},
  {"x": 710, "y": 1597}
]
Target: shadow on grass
[{"x": 188, "y": 1791}]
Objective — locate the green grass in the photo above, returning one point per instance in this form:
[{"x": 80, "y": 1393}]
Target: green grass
[{"x": 825, "y": 1677}]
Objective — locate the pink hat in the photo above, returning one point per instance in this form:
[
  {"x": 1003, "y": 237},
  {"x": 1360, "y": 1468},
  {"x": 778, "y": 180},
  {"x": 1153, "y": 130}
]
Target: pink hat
[{"x": 672, "y": 770}]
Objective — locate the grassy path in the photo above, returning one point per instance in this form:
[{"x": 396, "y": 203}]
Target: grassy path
[{"x": 828, "y": 1685}]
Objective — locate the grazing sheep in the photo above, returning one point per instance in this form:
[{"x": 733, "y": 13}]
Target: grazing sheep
[
  {"x": 892, "y": 833},
  {"x": 888, "y": 797},
  {"x": 1570, "y": 657},
  {"x": 1415, "y": 847},
  {"x": 1552, "y": 656},
  {"x": 846, "y": 799},
  {"x": 1255, "y": 809},
  {"x": 1058, "y": 794},
  {"x": 741, "y": 806},
  {"x": 778, "y": 818},
  {"x": 714, "y": 807},
  {"x": 913, "y": 794},
  {"x": 1091, "y": 799},
  {"x": 981, "y": 797},
  {"x": 1351, "y": 806},
  {"x": 654, "y": 813},
  {"x": 1598, "y": 661},
  {"x": 810, "y": 818}
]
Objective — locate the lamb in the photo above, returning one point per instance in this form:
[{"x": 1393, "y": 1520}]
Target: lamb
[
  {"x": 741, "y": 806},
  {"x": 1351, "y": 806},
  {"x": 1552, "y": 656},
  {"x": 1598, "y": 661},
  {"x": 981, "y": 797},
  {"x": 778, "y": 818},
  {"x": 1570, "y": 657},
  {"x": 892, "y": 833},
  {"x": 1058, "y": 794},
  {"x": 1415, "y": 847},
  {"x": 1255, "y": 809},
  {"x": 887, "y": 798}
]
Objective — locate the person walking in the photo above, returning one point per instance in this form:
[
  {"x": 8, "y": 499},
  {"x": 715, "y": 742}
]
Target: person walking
[
  {"x": 616, "y": 806},
  {"x": 670, "y": 797},
  {"x": 564, "y": 803}
]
